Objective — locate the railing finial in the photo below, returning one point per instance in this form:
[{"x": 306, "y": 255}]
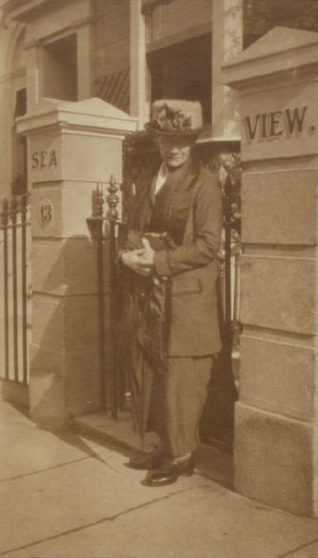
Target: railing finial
[
  {"x": 112, "y": 200},
  {"x": 99, "y": 199},
  {"x": 5, "y": 212}
]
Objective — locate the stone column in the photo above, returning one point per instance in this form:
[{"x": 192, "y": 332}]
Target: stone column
[
  {"x": 139, "y": 102},
  {"x": 33, "y": 61},
  {"x": 227, "y": 42},
  {"x": 71, "y": 146},
  {"x": 85, "y": 64},
  {"x": 276, "y": 430}
]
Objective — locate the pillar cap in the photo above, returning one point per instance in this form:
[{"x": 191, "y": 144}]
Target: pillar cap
[
  {"x": 92, "y": 113},
  {"x": 279, "y": 51}
]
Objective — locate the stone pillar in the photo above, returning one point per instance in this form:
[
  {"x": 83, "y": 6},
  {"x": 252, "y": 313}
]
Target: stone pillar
[
  {"x": 85, "y": 65},
  {"x": 276, "y": 427},
  {"x": 71, "y": 146},
  {"x": 139, "y": 102},
  {"x": 33, "y": 61},
  {"x": 227, "y": 42}
]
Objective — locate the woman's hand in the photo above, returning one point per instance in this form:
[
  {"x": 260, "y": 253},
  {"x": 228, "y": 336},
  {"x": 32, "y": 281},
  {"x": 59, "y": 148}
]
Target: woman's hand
[
  {"x": 140, "y": 261},
  {"x": 133, "y": 259},
  {"x": 147, "y": 256}
]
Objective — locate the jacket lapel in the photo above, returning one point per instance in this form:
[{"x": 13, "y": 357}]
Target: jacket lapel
[
  {"x": 143, "y": 205},
  {"x": 179, "y": 188},
  {"x": 176, "y": 192}
]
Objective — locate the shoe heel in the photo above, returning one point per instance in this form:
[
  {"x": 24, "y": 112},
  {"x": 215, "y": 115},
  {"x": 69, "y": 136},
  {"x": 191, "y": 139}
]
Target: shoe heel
[{"x": 189, "y": 473}]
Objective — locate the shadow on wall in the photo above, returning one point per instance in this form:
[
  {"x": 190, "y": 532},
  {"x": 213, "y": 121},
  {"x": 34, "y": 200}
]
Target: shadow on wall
[{"x": 65, "y": 350}]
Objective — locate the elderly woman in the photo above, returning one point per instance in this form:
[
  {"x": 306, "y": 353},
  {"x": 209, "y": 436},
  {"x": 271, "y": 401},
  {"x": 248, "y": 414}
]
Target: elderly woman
[{"x": 169, "y": 301}]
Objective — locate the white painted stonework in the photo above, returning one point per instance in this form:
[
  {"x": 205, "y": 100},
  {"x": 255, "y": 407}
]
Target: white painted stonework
[
  {"x": 276, "y": 415},
  {"x": 72, "y": 146}
]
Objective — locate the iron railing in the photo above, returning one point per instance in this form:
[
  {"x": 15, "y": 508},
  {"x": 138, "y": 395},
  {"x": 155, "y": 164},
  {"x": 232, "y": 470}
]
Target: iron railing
[
  {"x": 104, "y": 225},
  {"x": 15, "y": 242}
]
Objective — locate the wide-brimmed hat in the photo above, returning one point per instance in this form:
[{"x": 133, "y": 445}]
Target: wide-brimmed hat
[{"x": 175, "y": 117}]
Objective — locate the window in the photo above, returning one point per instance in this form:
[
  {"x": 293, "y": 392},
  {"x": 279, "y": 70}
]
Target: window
[
  {"x": 19, "y": 147},
  {"x": 20, "y": 102},
  {"x": 59, "y": 71}
]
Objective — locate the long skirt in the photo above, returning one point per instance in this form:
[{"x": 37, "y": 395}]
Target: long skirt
[
  {"x": 176, "y": 403},
  {"x": 169, "y": 403}
]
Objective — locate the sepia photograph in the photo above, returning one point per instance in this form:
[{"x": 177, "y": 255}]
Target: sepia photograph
[{"x": 159, "y": 278}]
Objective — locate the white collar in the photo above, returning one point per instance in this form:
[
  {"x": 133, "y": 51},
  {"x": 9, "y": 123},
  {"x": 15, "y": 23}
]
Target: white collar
[{"x": 161, "y": 177}]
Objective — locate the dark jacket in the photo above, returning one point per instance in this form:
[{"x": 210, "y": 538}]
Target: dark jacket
[{"x": 190, "y": 207}]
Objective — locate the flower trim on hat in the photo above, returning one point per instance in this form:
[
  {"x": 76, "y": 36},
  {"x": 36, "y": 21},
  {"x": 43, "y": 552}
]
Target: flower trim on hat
[{"x": 168, "y": 118}]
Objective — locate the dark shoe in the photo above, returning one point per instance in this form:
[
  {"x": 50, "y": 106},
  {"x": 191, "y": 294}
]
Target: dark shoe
[
  {"x": 147, "y": 461},
  {"x": 169, "y": 474}
]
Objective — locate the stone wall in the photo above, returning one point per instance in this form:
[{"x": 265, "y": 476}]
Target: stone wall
[{"x": 276, "y": 415}]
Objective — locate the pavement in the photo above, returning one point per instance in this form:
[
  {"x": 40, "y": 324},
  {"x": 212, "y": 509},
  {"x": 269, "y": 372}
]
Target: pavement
[{"x": 68, "y": 495}]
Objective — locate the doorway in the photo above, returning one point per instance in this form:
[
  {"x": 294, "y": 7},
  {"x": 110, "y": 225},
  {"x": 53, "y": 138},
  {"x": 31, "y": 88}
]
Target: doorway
[
  {"x": 184, "y": 71},
  {"x": 217, "y": 423}
]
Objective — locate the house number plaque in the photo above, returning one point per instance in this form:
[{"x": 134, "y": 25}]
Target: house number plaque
[{"x": 46, "y": 212}]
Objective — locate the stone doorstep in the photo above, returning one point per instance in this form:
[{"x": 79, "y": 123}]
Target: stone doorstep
[{"x": 210, "y": 461}]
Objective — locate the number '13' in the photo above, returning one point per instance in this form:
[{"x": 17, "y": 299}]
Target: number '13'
[{"x": 46, "y": 214}]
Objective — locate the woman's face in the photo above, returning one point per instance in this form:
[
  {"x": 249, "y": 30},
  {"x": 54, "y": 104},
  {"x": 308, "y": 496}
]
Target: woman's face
[{"x": 175, "y": 150}]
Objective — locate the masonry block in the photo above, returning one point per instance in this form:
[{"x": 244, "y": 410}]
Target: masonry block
[
  {"x": 269, "y": 120},
  {"x": 64, "y": 385},
  {"x": 66, "y": 323},
  {"x": 278, "y": 376},
  {"x": 82, "y": 381},
  {"x": 274, "y": 460},
  {"x": 280, "y": 207},
  {"x": 45, "y": 157},
  {"x": 65, "y": 266},
  {"x": 77, "y": 207},
  {"x": 279, "y": 293},
  {"x": 105, "y": 157},
  {"x": 46, "y": 209},
  {"x": 48, "y": 327},
  {"x": 62, "y": 213},
  {"x": 47, "y": 387}
]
